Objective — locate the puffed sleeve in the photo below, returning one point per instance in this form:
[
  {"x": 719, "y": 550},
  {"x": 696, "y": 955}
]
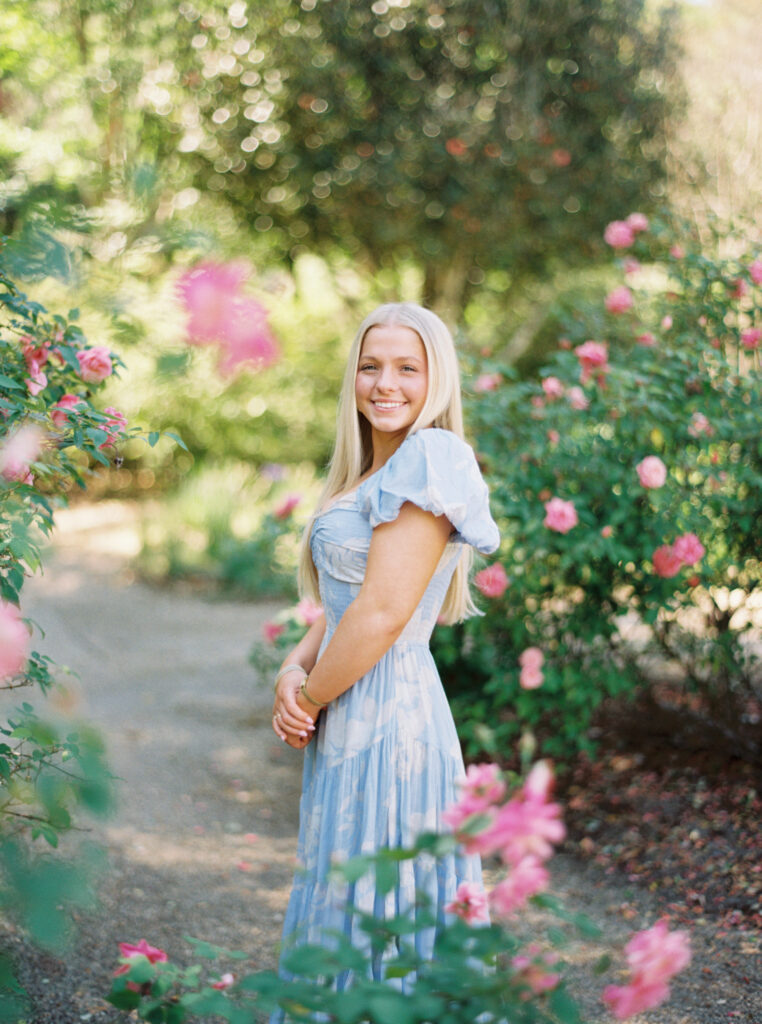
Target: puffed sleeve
[{"x": 437, "y": 471}]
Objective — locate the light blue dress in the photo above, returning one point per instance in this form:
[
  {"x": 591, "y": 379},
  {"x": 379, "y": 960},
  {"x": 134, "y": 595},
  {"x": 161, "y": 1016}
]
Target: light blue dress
[{"x": 383, "y": 765}]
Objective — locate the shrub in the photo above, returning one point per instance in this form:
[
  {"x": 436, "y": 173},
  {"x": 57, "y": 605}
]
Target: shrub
[{"x": 628, "y": 485}]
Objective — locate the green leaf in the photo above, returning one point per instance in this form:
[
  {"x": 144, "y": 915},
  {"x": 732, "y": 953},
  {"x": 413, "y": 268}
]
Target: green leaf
[
  {"x": 563, "y": 1006},
  {"x": 153, "y": 437},
  {"x": 177, "y": 438}
]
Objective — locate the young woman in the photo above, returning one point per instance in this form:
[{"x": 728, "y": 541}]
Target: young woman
[{"x": 388, "y": 552}]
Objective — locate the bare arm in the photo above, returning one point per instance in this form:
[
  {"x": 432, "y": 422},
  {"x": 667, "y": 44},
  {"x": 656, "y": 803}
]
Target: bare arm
[
  {"x": 291, "y": 721},
  {"x": 402, "y": 558}
]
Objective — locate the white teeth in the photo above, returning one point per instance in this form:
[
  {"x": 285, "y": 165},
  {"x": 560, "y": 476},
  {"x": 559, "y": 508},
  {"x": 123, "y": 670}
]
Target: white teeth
[{"x": 388, "y": 405}]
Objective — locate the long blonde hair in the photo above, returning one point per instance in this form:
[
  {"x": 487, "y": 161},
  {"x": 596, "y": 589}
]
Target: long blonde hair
[{"x": 353, "y": 450}]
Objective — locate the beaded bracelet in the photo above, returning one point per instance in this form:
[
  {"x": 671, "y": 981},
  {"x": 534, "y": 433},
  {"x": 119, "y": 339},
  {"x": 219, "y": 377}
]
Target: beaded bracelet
[
  {"x": 289, "y": 668},
  {"x": 317, "y": 703}
]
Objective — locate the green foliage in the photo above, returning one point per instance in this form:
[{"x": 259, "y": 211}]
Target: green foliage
[
  {"x": 52, "y": 770},
  {"x": 469, "y": 974},
  {"x": 590, "y": 598},
  {"x": 477, "y": 137}
]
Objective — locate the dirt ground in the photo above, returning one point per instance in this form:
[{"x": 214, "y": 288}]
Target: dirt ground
[{"x": 203, "y": 841}]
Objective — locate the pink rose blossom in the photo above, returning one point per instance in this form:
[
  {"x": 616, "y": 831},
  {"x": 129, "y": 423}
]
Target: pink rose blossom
[
  {"x": 525, "y": 879},
  {"x": 525, "y": 826},
  {"x": 755, "y": 271},
  {"x": 18, "y": 451},
  {"x": 560, "y": 515},
  {"x": 665, "y": 562},
  {"x": 531, "y": 679},
  {"x": 531, "y": 970},
  {"x": 531, "y": 657},
  {"x": 688, "y": 549},
  {"x": 287, "y": 506},
  {"x": 95, "y": 364},
  {"x": 619, "y": 234},
  {"x": 272, "y": 630},
  {"x": 492, "y": 581},
  {"x": 36, "y": 383},
  {"x": 482, "y": 788},
  {"x": 225, "y": 981},
  {"x": 593, "y": 357},
  {"x": 631, "y": 266},
  {"x": 209, "y": 292},
  {"x": 487, "y": 382},
  {"x": 607, "y": 531},
  {"x": 129, "y": 951},
  {"x": 637, "y": 222},
  {"x": 700, "y": 425},
  {"x": 620, "y": 300},
  {"x": 666, "y": 322},
  {"x": 654, "y": 956},
  {"x": 247, "y": 338},
  {"x": 677, "y": 252},
  {"x": 553, "y": 436},
  {"x": 646, "y": 339},
  {"x": 14, "y": 641},
  {"x": 577, "y": 398},
  {"x": 652, "y": 472},
  {"x": 115, "y": 426},
  {"x": 470, "y": 903},
  {"x": 537, "y": 401},
  {"x": 63, "y": 407},
  {"x": 751, "y": 337},
  {"x": 552, "y": 387},
  {"x": 740, "y": 288},
  {"x": 309, "y": 611}
]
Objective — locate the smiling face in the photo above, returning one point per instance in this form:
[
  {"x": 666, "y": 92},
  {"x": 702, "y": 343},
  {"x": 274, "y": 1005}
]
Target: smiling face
[{"x": 392, "y": 379}]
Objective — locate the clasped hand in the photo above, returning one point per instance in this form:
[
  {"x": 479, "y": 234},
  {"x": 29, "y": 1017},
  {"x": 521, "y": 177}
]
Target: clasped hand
[{"x": 293, "y": 719}]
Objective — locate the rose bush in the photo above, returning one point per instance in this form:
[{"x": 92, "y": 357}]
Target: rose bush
[
  {"x": 479, "y": 970},
  {"x": 628, "y": 494},
  {"x": 51, "y": 435}
]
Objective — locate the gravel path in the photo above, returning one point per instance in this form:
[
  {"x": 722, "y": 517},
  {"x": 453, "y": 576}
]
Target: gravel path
[{"x": 204, "y": 838}]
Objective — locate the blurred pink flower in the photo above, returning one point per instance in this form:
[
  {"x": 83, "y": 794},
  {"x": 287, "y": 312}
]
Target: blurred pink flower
[
  {"x": 95, "y": 364},
  {"x": 652, "y": 472},
  {"x": 577, "y": 398},
  {"x": 209, "y": 291},
  {"x": 531, "y": 970},
  {"x": 751, "y": 337},
  {"x": 593, "y": 357},
  {"x": 492, "y": 581},
  {"x": 537, "y": 401},
  {"x": 637, "y": 222},
  {"x": 646, "y": 339},
  {"x": 14, "y": 640},
  {"x": 525, "y": 879},
  {"x": 63, "y": 407},
  {"x": 552, "y": 387},
  {"x": 755, "y": 271},
  {"x": 688, "y": 549},
  {"x": 287, "y": 506},
  {"x": 36, "y": 383},
  {"x": 247, "y": 338},
  {"x": 487, "y": 382},
  {"x": 225, "y": 981},
  {"x": 631, "y": 266},
  {"x": 470, "y": 903},
  {"x": 532, "y": 658},
  {"x": 560, "y": 515},
  {"x": 666, "y": 322},
  {"x": 527, "y": 825},
  {"x": 18, "y": 450},
  {"x": 607, "y": 530},
  {"x": 561, "y": 157},
  {"x": 128, "y": 951},
  {"x": 553, "y": 436},
  {"x": 115, "y": 425},
  {"x": 309, "y": 611},
  {"x": 272, "y": 630},
  {"x": 677, "y": 252},
  {"x": 740, "y": 288},
  {"x": 531, "y": 679},
  {"x": 700, "y": 425},
  {"x": 619, "y": 234},
  {"x": 482, "y": 788},
  {"x": 620, "y": 300},
  {"x": 654, "y": 956},
  {"x": 665, "y": 562}
]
